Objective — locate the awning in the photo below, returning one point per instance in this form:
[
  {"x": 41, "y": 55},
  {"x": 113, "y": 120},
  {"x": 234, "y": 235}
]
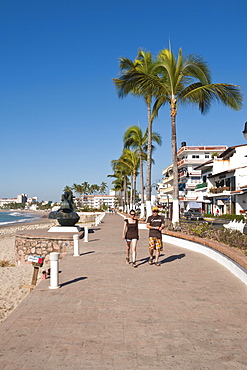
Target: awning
[
  {"x": 223, "y": 199},
  {"x": 220, "y": 202}
]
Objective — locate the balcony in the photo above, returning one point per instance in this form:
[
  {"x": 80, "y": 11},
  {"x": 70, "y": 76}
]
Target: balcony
[
  {"x": 201, "y": 186},
  {"x": 166, "y": 179},
  {"x": 190, "y": 185},
  {"x": 195, "y": 173},
  {"x": 201, "y": 148},
  {"x": 187, "y": 198},
  {"x": 195, "y": 161},
  {"x": 166, "y": 190},
  {"x": 219, "y": 190}
]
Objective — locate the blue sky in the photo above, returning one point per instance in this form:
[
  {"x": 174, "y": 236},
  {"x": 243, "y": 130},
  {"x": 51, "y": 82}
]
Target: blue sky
[{"x": 61, "y": 119}]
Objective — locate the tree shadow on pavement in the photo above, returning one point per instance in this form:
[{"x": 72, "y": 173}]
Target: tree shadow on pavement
[{"x": 73, "y": 281}]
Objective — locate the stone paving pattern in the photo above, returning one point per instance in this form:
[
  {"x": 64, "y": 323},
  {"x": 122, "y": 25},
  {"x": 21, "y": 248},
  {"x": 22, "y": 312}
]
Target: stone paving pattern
[{"x": 189, "y": 313}]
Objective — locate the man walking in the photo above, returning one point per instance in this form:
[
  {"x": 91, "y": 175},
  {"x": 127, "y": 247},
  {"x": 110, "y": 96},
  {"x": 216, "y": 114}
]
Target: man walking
[{"x": 155, "y": 224}]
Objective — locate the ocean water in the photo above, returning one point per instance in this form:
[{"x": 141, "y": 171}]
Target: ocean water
[{"x": 7, "y": 218}]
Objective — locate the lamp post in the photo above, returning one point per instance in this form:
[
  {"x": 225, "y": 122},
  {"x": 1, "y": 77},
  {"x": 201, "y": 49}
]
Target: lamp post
[{"x": 245, "y": 130}]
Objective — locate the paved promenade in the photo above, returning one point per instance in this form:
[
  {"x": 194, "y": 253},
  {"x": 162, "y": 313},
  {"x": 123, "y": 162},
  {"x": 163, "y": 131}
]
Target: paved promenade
[{"x": 188, "y": 314}]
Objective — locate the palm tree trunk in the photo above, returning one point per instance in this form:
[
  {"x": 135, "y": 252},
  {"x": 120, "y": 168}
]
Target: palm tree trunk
[
  {"x": 149, "y": 162},
  {"x": 125, "y": 194},
  {"x": 175, "y": 213},
  {"x": 120, "y": 200},
  {"x": 141, "y": 186},
  {"x": 131, "y": 191},
  {"x": 134, "y": 191}
]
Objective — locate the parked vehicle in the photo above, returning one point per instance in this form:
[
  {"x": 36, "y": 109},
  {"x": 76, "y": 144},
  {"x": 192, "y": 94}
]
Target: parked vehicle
[{"x": 193, "y": 214}]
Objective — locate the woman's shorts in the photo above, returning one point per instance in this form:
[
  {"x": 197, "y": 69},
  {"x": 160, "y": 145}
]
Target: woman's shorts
[
  {"x": 130, "y": 240},
  {"x": 155, "y": 243}
]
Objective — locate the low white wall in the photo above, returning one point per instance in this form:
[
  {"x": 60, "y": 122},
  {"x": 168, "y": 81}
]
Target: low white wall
[{"x": 232, "y": 266}]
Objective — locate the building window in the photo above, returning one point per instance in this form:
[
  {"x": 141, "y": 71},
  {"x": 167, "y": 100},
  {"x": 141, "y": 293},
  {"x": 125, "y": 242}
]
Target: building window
[
  {"x": 195, "y": 180},
  {"x": 195, "y": 156},
  {"x": 232, "y": 183}
]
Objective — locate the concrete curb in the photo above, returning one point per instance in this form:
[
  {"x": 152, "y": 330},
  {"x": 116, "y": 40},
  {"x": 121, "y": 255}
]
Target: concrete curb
[{"x": 233, "y": 260}]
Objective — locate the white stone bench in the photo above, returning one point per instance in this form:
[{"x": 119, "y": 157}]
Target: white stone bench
[{"x": 235, "y": 225}]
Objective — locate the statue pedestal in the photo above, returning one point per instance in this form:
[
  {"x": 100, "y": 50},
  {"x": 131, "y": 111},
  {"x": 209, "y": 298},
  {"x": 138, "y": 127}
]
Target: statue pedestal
[{"x": 64, "y": 229}]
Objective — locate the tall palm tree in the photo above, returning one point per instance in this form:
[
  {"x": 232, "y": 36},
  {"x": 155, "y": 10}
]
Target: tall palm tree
[
  {"x": 134, "y": 138},
  {"x": 102, "y": 188},
  {"x": 85, "y": 187},
  {"x": 128, "y": 83},
  {"x": 77, "y": 188},
  {"x": 68, "y": 189},
  {"x": 121, "y": 173},
  {"x": 184, "y": 80},
  {"x": 94, "y": 188},
  {"x": 187, "y": 80},
  {"x": 129, "y": 162},
  {"x": 118, "y": 185}
]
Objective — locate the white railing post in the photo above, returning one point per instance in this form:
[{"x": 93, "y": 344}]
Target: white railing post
[
  {"x": 96, "y": 221},
  {"x": 76, "y": 245},
  {"x": 85, "y": 234},
  {"x": 54, "y": 257}
]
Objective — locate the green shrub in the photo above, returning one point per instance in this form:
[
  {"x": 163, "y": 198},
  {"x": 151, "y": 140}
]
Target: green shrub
[
  {"x": 226, "y": 216},
  {"x": 234, "y": 239}
]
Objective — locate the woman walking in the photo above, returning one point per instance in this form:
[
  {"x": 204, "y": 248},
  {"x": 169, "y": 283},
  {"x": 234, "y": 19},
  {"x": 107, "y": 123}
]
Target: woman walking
[{"x": 131, "y": 235}]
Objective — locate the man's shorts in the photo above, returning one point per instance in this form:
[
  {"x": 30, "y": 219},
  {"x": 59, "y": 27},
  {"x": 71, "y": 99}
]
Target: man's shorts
[{"x": 155, "y": 243}]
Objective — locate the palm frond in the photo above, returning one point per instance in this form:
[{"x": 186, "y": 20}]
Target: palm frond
[
  {"x": 126, "y": 64},
  {"x": 196, "y": 67},
  {"x": 203, "y": 95},
  {"x": 160, "y": 101}
]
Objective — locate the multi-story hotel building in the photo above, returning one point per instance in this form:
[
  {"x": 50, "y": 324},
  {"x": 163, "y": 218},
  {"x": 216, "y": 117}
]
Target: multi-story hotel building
[
  {"x": 189, "y": 157},
  {"x": 224, "y": 181},
  {"x": 97, "y": 201}
]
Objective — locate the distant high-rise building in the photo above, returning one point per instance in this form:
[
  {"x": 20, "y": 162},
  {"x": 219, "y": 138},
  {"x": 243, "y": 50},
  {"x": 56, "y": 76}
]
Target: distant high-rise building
[{"x": 21, "y": 198}]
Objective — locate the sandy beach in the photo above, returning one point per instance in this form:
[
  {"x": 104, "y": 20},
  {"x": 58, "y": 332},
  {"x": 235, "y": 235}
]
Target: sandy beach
[{"x": 13, "y": 278}]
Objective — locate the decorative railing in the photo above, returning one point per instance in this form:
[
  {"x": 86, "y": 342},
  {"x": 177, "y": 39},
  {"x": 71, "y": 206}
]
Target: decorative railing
[
  {"x": 200, "y": 186},
  {"x": 219, "y": 190}
]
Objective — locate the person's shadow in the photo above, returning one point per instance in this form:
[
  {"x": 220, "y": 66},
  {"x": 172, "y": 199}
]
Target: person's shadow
[
  {"x": 143, "y": 261},
  {"x": 173, "y": 258},
  {"x": 166, "y": 260}
]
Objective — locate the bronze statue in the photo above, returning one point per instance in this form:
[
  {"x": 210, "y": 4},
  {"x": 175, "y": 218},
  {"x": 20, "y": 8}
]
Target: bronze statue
[{"x": 66, "y": 215}]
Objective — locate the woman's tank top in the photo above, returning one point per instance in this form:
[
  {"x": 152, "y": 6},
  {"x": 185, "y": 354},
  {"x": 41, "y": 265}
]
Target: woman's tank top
[{"x": 132, "y": 230}]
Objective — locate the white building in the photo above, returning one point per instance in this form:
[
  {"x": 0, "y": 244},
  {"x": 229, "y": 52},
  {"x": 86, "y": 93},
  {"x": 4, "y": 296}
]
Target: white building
[
  {"x": 165, "y": 189},
  {"x": 189, "y": 158},
  {"x": 98, "y": 201},
  {"x": 32, "y": 200},
  {"x": 107, "y": 200},
  {"x": 21, "y": 198},
  {"x": 225, "y": 185},
  {"x": 4, "y": 201}
]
